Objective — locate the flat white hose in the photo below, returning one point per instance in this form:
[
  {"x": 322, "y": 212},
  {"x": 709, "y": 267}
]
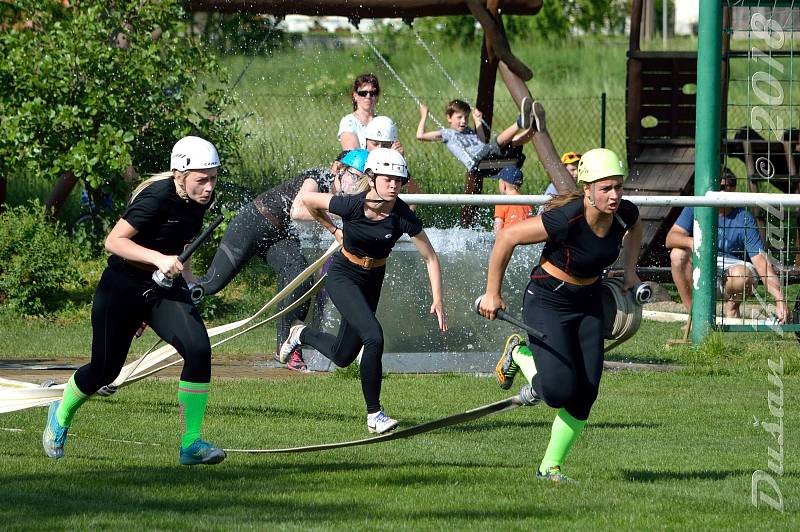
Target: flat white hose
[
  {"x": 18, "y": 395},
  {"x": 622, "y": 313}
]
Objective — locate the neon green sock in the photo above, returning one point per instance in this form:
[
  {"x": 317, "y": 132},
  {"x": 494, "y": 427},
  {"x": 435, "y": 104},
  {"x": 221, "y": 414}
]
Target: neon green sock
[
  {"x": 523, "y": 357},
  {"x": 566, "y": 430},
  {"x": 71, "y": 401},
  {"x": 193, "y": 398}
]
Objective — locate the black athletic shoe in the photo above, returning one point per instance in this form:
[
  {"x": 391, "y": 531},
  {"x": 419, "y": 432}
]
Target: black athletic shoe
[
  {"x": 506, "y": 368},
  {"x": 526, "y": 113},
  {"x": 537, "y": 116}
]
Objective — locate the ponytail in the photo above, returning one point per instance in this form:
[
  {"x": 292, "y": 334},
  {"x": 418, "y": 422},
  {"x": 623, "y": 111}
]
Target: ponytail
[
  {"x": 149, "y": 181},
  {"x": 562, "y": 199}
]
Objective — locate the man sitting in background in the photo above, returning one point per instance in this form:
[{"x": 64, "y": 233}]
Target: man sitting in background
[{"x": 741, "y": 258}]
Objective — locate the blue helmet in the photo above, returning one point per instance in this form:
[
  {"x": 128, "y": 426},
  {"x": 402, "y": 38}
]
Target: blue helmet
[{"x": 356, "y": 159}]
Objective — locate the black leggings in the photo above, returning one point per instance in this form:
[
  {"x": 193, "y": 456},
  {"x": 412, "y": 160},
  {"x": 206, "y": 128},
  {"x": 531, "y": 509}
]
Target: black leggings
[
  {"x": 569, "y": 362},
  {"x": 120, "y": 307},
  {"x": 355, "y": 292},
  {"x": 248, "y": 234}
]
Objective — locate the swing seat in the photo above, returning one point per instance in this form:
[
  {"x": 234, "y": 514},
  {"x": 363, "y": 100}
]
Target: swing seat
[{"x": 491, "y": 165}]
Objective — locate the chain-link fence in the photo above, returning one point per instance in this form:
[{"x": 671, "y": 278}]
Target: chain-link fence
[
  {"x": 287, "y": 133},
  {"x": 761, "y": 148}
]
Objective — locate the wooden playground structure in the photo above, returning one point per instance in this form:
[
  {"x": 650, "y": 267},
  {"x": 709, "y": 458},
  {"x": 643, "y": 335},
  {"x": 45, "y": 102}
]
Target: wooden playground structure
[{"x": 660, "y": 103}]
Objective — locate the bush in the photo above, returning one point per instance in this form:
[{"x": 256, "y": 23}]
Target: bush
[
  {"x": 93, "y": 87},
  {"x": 37, "y": 260}
]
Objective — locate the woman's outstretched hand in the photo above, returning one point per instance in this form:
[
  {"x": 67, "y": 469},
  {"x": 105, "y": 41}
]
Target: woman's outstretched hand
[{"x": 438, "y": 309}]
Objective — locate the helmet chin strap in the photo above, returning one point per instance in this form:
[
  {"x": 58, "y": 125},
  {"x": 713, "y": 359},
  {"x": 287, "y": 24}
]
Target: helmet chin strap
[{"x": 375, "y": 188}]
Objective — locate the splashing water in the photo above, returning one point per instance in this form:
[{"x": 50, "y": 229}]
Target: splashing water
[{"x": 406, "y": 297}]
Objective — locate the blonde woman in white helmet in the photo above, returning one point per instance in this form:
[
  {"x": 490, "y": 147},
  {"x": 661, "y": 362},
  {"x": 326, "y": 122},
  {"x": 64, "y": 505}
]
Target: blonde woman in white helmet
[
  {"x": 164, "y": 214},
  {"x": 372, "y": 222},
  {"x": 583, "y": 233},
  {"x": 381, "y": 132}
]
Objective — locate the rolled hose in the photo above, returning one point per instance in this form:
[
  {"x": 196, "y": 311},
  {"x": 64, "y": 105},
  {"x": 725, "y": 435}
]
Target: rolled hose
[{"x": 622, "y": 309}]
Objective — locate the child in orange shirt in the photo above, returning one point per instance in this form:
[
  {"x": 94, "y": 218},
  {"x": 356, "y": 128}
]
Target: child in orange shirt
[{"x": 509, "y": 181}]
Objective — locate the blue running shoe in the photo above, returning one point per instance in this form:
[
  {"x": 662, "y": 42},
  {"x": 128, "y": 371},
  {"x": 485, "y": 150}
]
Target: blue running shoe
[
  {"x": 55, "y": 435},
  {"x": 201, "y": 452}
]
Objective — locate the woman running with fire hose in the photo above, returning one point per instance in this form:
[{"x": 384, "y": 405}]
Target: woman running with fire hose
[
  {"x": 372, "y": 222},
  {"x": 165, "y": 212},
  {"x": 263, "y": 227},
  {"x": 583, "y": 233}
]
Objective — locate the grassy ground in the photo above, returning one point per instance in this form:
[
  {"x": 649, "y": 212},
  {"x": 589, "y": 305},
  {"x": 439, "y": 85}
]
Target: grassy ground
[
  {"x": 661, "y": 451},
  {"x": 725, "y": 353}
]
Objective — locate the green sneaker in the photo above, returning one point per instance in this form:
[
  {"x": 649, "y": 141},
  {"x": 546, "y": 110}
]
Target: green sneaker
[
  {"x": 554, "y": 474},
  {"x": 506, "y": 368},
  {"x": 55, "y": 435},
  {"x": 201, "y": 452}
]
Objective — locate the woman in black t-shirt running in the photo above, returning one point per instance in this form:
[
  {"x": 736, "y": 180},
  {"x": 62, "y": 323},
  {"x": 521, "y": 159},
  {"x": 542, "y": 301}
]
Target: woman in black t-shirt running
[
  {"x": 583, "y": 233},
  {"x": 373, "y": 222},
  {"x": 264, "y": 228},
  {"x": 164, "y": 214}
]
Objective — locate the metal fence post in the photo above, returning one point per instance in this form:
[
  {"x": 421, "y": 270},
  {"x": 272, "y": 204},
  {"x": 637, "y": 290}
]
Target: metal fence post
[
  {"x": 603, "y": 120},
  {"x": 706, "y": 166}
]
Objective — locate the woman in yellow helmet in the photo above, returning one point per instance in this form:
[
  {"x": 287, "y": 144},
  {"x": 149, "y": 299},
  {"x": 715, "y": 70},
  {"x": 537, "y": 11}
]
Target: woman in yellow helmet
[{"x": 583, "y": 233}]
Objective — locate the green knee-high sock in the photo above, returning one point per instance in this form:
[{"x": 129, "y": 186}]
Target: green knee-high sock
[
  {"x": 193, "y": 398},
  {"x": 71, "y": 401},
  {"x": 566, "y": 430},
  {"x": 523, "y": 357}
]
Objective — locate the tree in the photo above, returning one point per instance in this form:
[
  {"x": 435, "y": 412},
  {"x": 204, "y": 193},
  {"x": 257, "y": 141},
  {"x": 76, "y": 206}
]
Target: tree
[
  {"x": 602, "y": 16},
  {"x": 458, "y": 30},
  {"x": 87, "y": 91}
]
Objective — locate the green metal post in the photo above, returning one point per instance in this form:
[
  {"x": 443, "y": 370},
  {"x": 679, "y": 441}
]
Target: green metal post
[{"x": 706, "y": 165}]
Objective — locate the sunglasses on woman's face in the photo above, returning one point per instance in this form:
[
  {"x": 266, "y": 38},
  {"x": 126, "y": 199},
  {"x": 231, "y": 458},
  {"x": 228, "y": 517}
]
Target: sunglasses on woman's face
[{"x": 364, "y": 94}]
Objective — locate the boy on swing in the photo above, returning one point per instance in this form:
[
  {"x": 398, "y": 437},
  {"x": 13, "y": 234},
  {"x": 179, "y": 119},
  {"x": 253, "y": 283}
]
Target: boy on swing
[{"x": 469, "y": 145}]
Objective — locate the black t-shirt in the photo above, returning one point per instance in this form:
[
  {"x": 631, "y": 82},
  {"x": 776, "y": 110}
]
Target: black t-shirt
[
  {"x": 278, "y": 200},
  {"x": 573, "y": 246},
  {"x": 373, "y": 238},
  {"x": 163, "y": 221}
]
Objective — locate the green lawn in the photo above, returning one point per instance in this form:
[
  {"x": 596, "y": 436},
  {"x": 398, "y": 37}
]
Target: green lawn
[
  {"x": 661, "y": 451},
  {"x": 36, "y": 338}
]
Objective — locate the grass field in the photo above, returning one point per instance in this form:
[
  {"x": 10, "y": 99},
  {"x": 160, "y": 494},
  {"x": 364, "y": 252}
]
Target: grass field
[{"x": 662, "y": 450}]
